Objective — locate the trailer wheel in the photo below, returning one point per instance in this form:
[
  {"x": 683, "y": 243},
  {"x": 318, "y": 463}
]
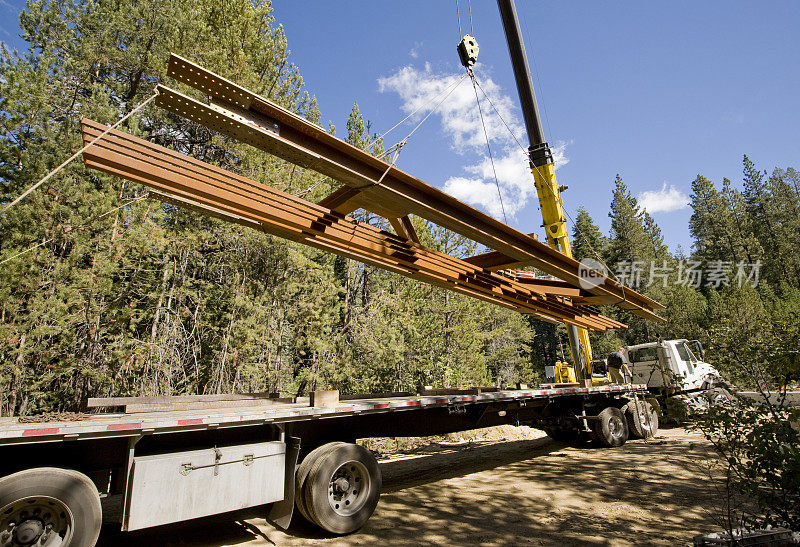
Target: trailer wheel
[
  {"x": 610, "y": 429},
  {"x": 642, "y": 419},
  {"x": 49, "y": 506},
  {"x": 302, "y": 475},
  {"x": 655, "y": 404},
  {"x": 342, "y": 488}
]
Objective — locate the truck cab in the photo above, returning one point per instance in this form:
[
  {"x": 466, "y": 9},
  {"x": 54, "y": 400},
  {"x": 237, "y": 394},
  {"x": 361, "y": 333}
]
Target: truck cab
[{"x": 672, "y": 366}]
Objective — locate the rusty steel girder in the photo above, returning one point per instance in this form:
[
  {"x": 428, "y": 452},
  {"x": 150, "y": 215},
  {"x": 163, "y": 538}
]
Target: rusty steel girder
[
  {"x": 368, "y": 183},
  {"x": 372, "y": 184},
  {"x": 191, "y": 183}
]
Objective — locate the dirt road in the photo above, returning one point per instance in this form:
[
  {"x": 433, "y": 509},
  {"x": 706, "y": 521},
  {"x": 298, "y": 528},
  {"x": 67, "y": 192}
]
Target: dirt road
[{"x": 526, "y": 489}]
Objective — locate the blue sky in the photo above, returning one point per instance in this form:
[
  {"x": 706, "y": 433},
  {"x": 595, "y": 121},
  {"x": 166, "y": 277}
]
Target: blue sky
[{"x": 655, "y": 92}]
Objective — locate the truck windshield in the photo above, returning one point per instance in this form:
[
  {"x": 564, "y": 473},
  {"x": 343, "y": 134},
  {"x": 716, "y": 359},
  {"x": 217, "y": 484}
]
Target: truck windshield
[
  {"x": 685, "y": 353},
  {"x": 643, "y": 354}
]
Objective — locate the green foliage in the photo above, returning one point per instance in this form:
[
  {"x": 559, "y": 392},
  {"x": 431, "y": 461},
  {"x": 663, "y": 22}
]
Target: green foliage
[
  {"x": 761, "y": 453},
  {"x": 631, "y": 239},
  {"x": 128, "y": 296},
  {"x": 587, "y": 239}
]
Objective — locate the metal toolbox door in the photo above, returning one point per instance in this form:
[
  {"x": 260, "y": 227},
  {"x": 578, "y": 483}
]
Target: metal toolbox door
[{"x": 184, "y": 485}]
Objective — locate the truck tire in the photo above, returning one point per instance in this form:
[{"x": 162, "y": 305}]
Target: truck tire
[
  {"x": 642, "y": 419},
  {"x": 52, "y": 501},
  {"x": 302, "y": 474},
  {"x": 610, "y": 429},
  {"x": 655, "y": 404},
  {"x": 719, "y": 396},
  {"x": 342, "y": 488}
]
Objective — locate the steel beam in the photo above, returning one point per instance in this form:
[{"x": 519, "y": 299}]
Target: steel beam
[
  {"x": 383, "y": 189},
  {"x": 403, "y": 227},
  {"x": 198, "y": 185}
]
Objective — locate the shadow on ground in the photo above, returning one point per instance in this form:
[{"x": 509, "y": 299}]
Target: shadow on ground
[{"x": 533, "y": 491}]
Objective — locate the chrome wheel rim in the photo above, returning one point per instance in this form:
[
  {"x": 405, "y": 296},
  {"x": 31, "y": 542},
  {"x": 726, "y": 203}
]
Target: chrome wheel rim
[
  {"x": 348, "y": 488},
  {"x": 35, "y": 520},
  {"x": 615, "y": 427}
]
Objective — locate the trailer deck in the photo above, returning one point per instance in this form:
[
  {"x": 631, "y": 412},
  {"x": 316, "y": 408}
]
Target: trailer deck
[{"x": 123, "y": 425}]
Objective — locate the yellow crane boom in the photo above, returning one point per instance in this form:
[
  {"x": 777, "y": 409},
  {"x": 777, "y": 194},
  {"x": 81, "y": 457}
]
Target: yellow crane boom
[{"x": 547, "y": 188}]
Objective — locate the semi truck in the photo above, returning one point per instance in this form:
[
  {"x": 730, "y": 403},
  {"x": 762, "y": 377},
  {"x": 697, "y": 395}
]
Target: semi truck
[
  {"x": 676, "y": 369},
  {"x": 169, "y": 459},
  {"x": 63, "y": 477}
]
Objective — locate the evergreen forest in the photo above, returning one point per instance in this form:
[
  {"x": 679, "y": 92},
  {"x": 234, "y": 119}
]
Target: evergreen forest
[{"x": 104, "y": 291}]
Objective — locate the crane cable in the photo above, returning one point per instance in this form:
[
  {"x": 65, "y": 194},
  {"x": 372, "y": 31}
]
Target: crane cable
[
  {"x": 572, "y": 220},
  {"x": 397, "y": 148},
  {"x": 449, "y": 89},
  {"x": 79, "y": 152},
  {"x": 458, "y": 15},
  {"x": 469, "y": 71},
  {"x": 488, "y": 146}
]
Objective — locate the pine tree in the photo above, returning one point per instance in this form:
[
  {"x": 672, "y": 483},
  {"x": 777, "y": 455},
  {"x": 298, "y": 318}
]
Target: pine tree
[
  {"x": 785, "y": 221},
  {"x": 356, "y": 129},
  {"x": 149, "y": 298},
  {"x": 630, "y": 240},
  {"x": 743, "y": 238},
  {"x": 656, "y": 239},
  {"x": 587, "y": 239},
  {"x": 711, "y": 224}
]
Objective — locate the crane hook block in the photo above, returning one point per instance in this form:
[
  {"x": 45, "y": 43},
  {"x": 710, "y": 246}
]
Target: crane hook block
[{"x": 468, "y": 50}]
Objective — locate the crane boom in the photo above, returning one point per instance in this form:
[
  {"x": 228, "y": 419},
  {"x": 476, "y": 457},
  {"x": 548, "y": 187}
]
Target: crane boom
[{"x": 544, "y": 174}]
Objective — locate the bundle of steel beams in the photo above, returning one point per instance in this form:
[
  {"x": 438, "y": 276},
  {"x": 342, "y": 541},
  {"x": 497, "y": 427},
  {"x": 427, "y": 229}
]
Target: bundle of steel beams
[
  {"x": 369, "y": 183},
  {"x": 195, "y": 184}
]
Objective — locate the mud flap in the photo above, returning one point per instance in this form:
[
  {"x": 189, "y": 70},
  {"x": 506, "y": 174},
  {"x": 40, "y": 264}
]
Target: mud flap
[{"x": 281, "y": 513}]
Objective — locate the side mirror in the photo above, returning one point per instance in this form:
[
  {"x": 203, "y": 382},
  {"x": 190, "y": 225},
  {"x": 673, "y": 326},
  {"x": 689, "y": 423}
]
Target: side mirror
[{"x": 697, "y": 348}]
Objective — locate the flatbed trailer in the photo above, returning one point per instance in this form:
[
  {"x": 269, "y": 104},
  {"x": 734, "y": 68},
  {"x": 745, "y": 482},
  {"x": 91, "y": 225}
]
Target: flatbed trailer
[{"x": 62, "y": 479}]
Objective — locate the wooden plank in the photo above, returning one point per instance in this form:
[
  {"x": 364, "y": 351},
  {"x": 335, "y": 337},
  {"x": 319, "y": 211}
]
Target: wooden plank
[
  {"x": 324, "y": 397},
  {"x": 291, "y": 217},
  {"x": 203, "y": 405},
  {"x": 308, "y": 145},
  {"x": 97, "y": 402}
]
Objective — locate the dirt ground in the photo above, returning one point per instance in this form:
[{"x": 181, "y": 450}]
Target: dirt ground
[{"x": 508, "y": 486}]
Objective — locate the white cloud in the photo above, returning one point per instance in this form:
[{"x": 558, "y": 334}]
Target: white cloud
[
  {"x": 460, "y": 121},
  {"x": 476, "y": 192},
  {"x": 459, "y": 116},
  {"x": 664, "y": 200},
  {"x": 479, "y": 187},
  {"x": 414, "y": 50}
]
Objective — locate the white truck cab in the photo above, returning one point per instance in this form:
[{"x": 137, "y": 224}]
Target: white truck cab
[{"x": 672, "y": 366}]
